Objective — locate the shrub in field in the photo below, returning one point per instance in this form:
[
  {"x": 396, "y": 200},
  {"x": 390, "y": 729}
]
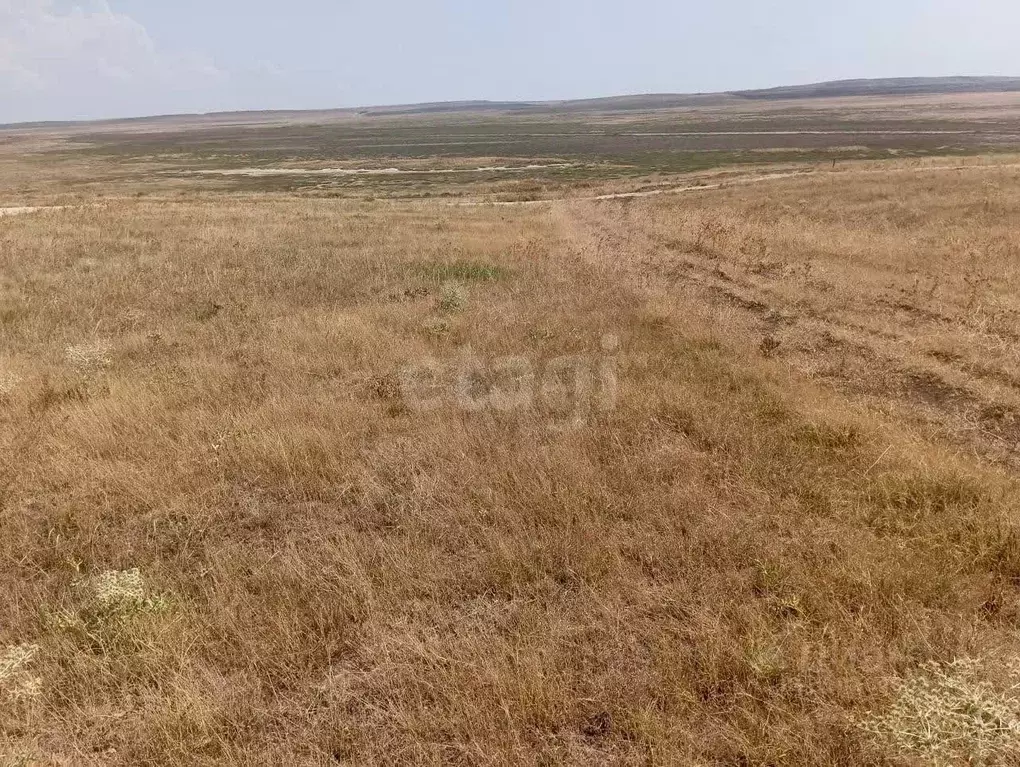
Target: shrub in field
[
  {"x": 453, "y": 298},
  {"x": 952, "y": 714},
  {"x": 111, "y": 600}
]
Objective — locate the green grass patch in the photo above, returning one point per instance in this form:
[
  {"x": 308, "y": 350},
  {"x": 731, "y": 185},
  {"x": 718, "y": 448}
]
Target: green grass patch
[{"x": 464, "y": 271}]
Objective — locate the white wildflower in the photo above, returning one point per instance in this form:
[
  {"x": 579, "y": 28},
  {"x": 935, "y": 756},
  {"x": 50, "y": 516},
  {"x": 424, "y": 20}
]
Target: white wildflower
[
  {"x": 114, "y": 588},
  {"x": 15, "y": 679},
  {"x": 950, "y": 715},
  {"x": 15, "y": 659},
  {"x": 89, "y": 356},
  {"x": 8, "y": 383},
  {"x": 119, "y": 592}
]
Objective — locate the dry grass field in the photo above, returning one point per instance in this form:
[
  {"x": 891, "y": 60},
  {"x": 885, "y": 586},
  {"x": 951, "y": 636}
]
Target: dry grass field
[{"x": 721, "y": 477}]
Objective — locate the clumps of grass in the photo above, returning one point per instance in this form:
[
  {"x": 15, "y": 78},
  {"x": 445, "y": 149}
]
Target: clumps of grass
[
  {"x": 769, "y": 346},
  {"x": 945, "y": 506},
  {"x": 924, "y": 496},
  {"x": 452, "y": 298},
  {"x": 17, "y": 683},
  {"x": 89, "y": 357},
  {"x": 207, "y": 310},
  {"x": 437, "y": 327},
  {"x": 464, "y": 271},
  {"x": 949, "y": 715},
  {"x": 110, "y": 599}
]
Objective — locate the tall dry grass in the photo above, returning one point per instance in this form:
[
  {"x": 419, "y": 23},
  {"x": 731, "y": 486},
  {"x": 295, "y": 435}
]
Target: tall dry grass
[{"x": 740, "y": 563}]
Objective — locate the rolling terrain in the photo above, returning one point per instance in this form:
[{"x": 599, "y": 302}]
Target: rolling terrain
[{"x": 679, "y": 435}]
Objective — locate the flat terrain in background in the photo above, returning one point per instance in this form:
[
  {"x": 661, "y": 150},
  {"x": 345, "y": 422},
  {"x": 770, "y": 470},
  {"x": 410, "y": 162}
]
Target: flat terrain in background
[
  {"x": 495, "y": 154},
  {"x": 757, "y": 506}
]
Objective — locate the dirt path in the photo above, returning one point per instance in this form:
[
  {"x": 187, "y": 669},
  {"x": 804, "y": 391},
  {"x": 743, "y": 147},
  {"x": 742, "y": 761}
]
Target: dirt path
[
  {"x": 27, "y": 209},
  {"x": 266, "y": 172},
  {"x": 737, "y": 181},
  {"x": 729, "y": 182},
  {"x": 16, "y": 211},
  {"x": 869, "y": 355}
]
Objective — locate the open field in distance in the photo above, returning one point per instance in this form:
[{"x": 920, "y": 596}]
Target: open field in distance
[
  {"x": 446, "y": 155},
  {"x": 748, "y": 494}
]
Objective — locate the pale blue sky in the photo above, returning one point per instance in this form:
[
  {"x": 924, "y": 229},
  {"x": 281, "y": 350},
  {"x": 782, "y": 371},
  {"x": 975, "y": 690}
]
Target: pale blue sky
[{"x": 73, "y": 59}]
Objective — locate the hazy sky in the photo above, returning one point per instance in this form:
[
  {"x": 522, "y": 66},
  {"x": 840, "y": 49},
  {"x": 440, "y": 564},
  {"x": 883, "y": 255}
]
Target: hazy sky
[{"x": 72, "y": 59}]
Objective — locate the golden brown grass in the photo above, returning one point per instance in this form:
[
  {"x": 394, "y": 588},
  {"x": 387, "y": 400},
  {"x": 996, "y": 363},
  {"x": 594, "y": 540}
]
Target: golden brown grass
[
  {"x": 894, "y": 283},
  {"x": 739, "y": 564}
]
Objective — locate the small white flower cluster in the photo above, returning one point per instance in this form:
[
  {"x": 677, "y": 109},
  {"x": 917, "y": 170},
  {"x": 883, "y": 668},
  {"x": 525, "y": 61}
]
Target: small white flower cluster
[
  {"x": 949, "y": 715},
  {"x": 109, "y": 600},
  {"x": 111, "y": 597},
  {"x": 8, "y": 383},
  {"x": 119, "y": 592},
  {"x": 89, "y": 356},
  {"x": 15, "y": 680},
  {"x": 115, "y": 588}
]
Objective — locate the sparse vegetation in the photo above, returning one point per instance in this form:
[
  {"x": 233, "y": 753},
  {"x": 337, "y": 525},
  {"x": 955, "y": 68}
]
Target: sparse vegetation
[{"x": 227, "y": 539}]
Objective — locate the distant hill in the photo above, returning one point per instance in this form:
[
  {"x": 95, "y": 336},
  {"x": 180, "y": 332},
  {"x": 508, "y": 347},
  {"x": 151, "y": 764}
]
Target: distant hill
[
  {"x": 896, "y": 86},
  {"x": 901, "y": 86}
]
